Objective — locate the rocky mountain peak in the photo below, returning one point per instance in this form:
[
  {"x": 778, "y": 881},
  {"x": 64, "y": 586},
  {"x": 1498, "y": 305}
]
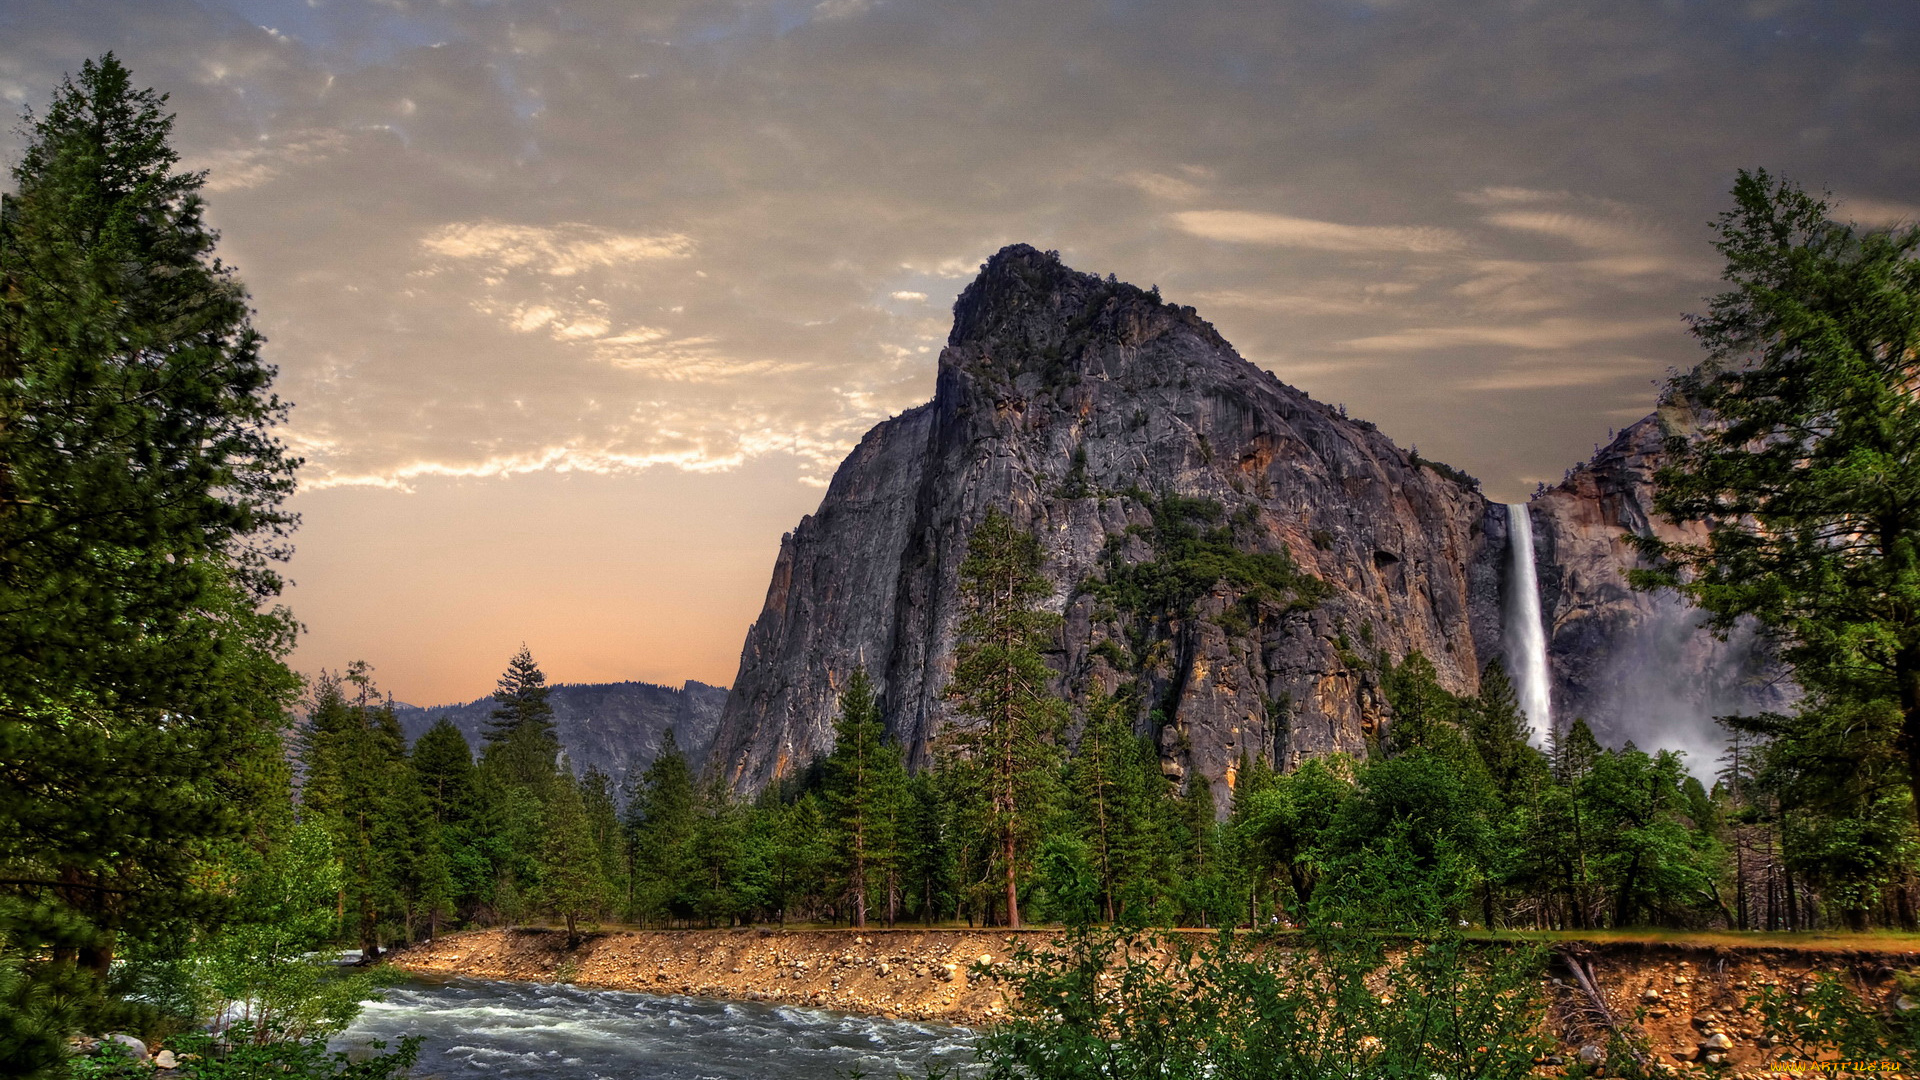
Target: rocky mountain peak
[
  {"x": 1029, "y": 312},
  {"x": 1239, "y": 562},
  {"x": 1231, "y": 554}
]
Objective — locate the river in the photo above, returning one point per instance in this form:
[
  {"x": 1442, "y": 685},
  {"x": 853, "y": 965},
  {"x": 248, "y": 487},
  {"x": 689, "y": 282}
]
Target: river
[{"x": 507, "y": 1031}]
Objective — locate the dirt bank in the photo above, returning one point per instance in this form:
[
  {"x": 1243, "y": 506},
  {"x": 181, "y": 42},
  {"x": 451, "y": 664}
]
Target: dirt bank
[
  {"x": 899, "y": 974},
  {"x": 1685, "y": 1003}
]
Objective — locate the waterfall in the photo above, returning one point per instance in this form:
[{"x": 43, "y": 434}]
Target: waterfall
[{"x": 1526, "y": 635}]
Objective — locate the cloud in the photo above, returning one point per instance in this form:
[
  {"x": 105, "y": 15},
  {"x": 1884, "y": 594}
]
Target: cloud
[
  {"x": 840, "y": 9},
  {"x": 1588, "y": 232},
  {"x": 1878, "y": 213},
  {"x": 1507, "y": 196},
  {"x": 241, "y": 168},
  {"x": 1279, "y": 230},
  {"x": 1553, "y": 333},
  {"x": 1369, "y": 298},
  {"x": 558, "y": 251},
  {"x": 1162, "y": 186},
  {"x": 916, "y": 297},
  {"x": 1543, "y": 374}
]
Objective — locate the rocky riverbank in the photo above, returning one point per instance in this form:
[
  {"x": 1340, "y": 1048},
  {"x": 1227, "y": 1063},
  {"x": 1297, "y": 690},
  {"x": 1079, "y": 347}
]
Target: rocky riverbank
[
  {"x": 1684, "y": 1004},
  {"x": 896, "y": 974}
]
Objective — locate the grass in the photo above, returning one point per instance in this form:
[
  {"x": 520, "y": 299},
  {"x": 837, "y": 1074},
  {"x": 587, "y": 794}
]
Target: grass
[
  {"x": 1816, "y": 940},
  {"x": 1890, "y": 941}
]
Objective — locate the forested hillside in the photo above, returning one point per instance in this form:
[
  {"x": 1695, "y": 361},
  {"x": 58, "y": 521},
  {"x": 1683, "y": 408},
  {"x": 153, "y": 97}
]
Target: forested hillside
[{"x": 613, "y": 727}]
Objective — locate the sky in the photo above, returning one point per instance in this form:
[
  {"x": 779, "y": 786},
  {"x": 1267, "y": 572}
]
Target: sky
[{"x": 580, "y": 303}]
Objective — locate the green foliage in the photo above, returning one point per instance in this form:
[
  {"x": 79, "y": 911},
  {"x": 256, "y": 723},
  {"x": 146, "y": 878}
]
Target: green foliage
[
  {"x": 1001, "y": 688},
  {"x": 570, "y": 885},
  {"x": 269, "y": 973},
  {"x": 1794, "y": 443},
  {"x": 1119, "y": 800},
  {"x": 250, "y": 1058},
  {"x": 1830, "y": 1018},
  {"x": 460, "y": 877},
  {"x": 1191, "y": 558},
  {"x": 140, "y": 494},
  {"x": 1107, "y": 1004},
  {"x": 865, "y": 781},
  {"x": 1279, "y": 825},
  {"x": 521, "y": 746},
  {"x": 1399, "y": 853},
  {"x": 358, "y": 788},
  {"x": 660, "y": 824}
]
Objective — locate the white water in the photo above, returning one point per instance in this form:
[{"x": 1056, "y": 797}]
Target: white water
[
  {"x": 1526, "y": 634},
  {"x": 480, "y": 1030}
]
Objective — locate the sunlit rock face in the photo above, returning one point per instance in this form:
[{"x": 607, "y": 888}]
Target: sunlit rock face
[
  {"x": 1071, "y": 402},
  {"x": 1075, "y": 404},
  {"x": 1638, "y": 666}
]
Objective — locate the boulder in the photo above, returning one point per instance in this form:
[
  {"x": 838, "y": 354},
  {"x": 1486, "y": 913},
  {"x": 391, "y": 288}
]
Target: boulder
[{"x": 134, "y": 1047}]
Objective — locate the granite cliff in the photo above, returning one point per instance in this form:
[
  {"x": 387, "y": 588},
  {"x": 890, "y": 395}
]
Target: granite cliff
[
  {"x": 614, "y": 727},
  {"x": 1637, "y": 665},
  {"x": 1243, "y": 555}
]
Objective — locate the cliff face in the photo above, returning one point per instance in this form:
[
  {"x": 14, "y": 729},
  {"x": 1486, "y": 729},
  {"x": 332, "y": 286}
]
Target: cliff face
[
  {"x": 1240, "y": 553},
  {"x": 614, "y": 727},
  {"x": 1637, "y": 665},
  {"x": 1080, "y": 406}
]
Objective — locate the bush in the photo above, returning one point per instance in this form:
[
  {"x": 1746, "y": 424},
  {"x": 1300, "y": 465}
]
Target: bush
[
  {"x": 1826, "y": 1018},
  {"x": 245, "y": 1058},
  {"x": 1116, "y": 1004}
]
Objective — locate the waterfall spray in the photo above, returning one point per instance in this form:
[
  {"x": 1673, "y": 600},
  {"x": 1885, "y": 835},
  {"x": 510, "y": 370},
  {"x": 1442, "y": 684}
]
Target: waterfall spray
[{"x": 1526, "y": 635}]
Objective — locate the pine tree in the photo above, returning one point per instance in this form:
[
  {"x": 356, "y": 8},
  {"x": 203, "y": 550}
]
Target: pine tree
[
  {"x": 140, "y": 492},
  {"x": 521, "y": 745},
  {"x": 412, "y": 853},
  {"x": 353, "y": 756},
  {"x": 800, "y": 856},
  {"x": 1099, "y": 771},
  {"x": 609, "y": 840},
  {"x": 1001, "y": 688},
  {"x": 570, "y": 885},
  {"x": 891, "y": 820},
  {"x": 714, "y": 852},
  {"x": 442, "y": 766},
  {"x": 852, "y": 788},
  {"x": 1804, "y": 467},
  {"x": 661, "y": 816},
  {"x": 1500, "y": 732},
  {"x": 926, "y": 853}
]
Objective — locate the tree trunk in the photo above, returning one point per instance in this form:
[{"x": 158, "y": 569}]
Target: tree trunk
[
  {"x": 1907, "y": 670},
  {"x": 1013, "y": 897}
]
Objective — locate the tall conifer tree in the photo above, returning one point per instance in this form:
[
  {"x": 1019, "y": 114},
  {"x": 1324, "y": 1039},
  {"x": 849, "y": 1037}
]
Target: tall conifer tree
[
  {"x": 522, "y": 746},
  {"x": 354, "y": 760},
  {"x": 1002, "y": 689},
  {"x": 853, "y": 775},
  {"x": 570, "y": 885},
  {"x": 140, "y": 491},
  {"x": 660, "y": 818}
]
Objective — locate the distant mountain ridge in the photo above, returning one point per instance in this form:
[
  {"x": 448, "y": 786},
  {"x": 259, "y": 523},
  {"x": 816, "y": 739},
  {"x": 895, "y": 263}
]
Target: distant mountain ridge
[{"x": 614, "y": 727}]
